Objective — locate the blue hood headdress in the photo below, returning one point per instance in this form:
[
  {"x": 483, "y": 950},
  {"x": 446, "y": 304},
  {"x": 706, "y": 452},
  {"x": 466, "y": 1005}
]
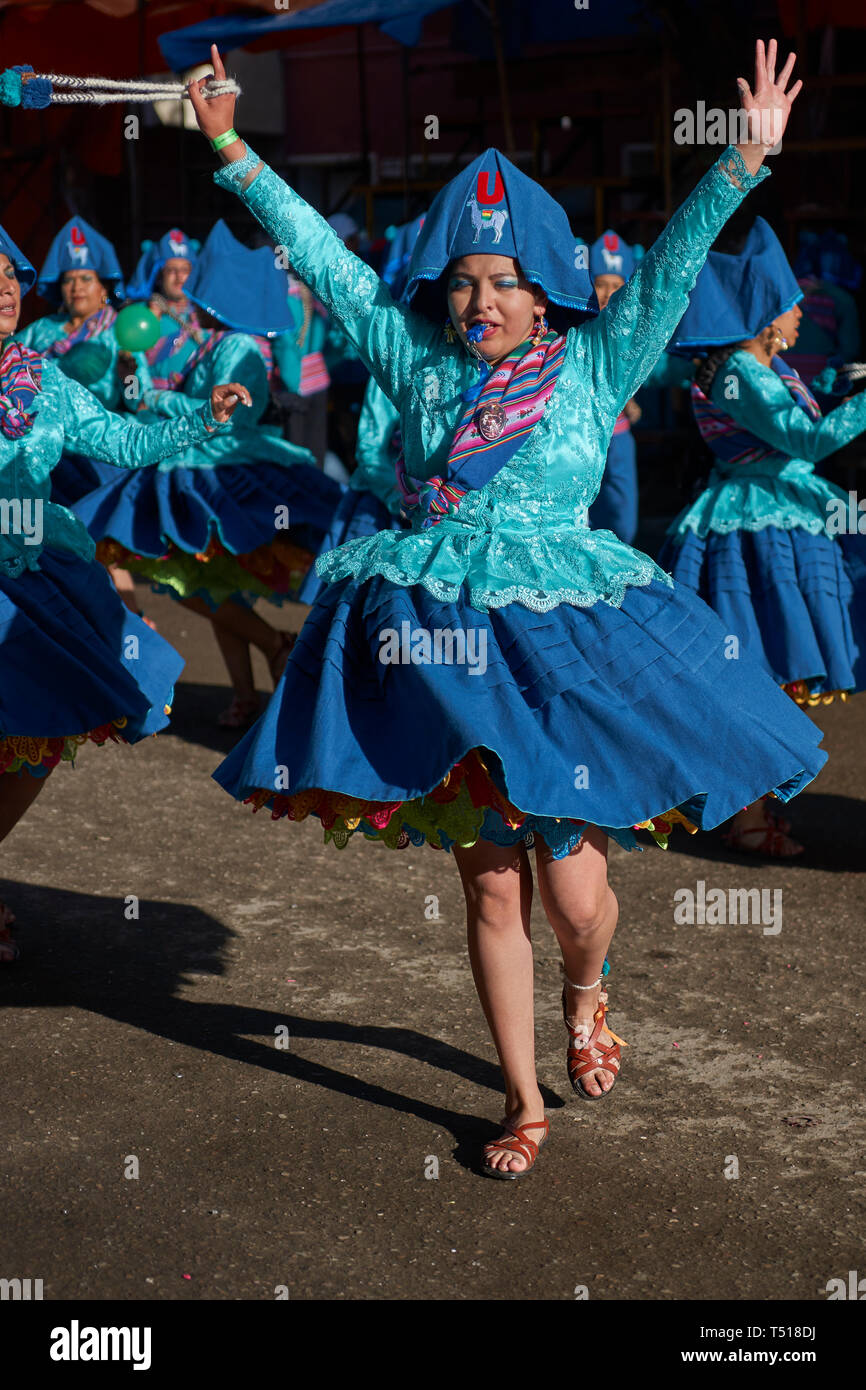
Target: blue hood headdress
[
  {"x": 491, "y": 207},
  {"x": 610, "y": 255},
  {"x": 175, "y": 244},
  {"x": 23, "y": 269},
  {"x": 736, "y": 296},
  {"x": 244, "y": 289},
  {"x": 827, "y": 258},
  {"x": 79, "y": 247},
  {"x": 399, "y": 254}
]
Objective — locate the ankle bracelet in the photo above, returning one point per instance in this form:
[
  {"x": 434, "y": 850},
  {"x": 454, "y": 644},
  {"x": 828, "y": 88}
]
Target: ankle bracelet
[{"x": 574, "y": 986}]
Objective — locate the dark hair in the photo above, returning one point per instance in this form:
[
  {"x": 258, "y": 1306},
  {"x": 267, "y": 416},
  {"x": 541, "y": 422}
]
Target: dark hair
[{"x": 705, "y": 374}]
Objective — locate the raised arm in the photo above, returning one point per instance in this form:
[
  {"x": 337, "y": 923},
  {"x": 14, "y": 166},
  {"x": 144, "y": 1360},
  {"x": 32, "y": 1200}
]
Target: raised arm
[
  {"x": 91, "y": 429},
  {"x": 389, "y": 336},
  {"x": 757, "y": 398},
  {"x": 626, "y": 340}
]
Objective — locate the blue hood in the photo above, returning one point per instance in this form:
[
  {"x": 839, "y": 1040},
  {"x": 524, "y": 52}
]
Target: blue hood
[
  {"x": 79, "y": 247},
  {"x": 491, "y": 207},
  {"x": 23, "y": 269},
  {"x": 154, "y": 256},
  {"x": 736, "y": 296},
  {"x": 242, "y": 288}
]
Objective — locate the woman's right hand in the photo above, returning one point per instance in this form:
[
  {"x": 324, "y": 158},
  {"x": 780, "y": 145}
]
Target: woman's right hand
[
  {"x": 215, "y": 115},
  {"x": 225, "y": 399}
]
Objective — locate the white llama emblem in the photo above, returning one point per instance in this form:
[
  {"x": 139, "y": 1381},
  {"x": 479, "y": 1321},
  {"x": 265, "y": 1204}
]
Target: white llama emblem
[
  {"x": 612, "y": 263},
  {"x": 496, "y": 218}
]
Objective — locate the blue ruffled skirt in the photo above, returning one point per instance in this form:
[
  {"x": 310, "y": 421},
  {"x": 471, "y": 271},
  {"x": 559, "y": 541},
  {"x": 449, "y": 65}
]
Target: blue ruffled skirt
[
  {"x": 147, "y": 511},
  {"x": 358, "y": 514},
  {"x": 75, "y": 476},
  {"x": 601, "y": 715},
  {"x": 73, "y": 658},
  {"x": 797, "y": 602}
]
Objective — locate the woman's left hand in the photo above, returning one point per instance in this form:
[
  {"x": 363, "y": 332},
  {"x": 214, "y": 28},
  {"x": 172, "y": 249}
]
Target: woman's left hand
[
  {"x": 769, "y": 106},
  {"x": 224, "y": 400}
]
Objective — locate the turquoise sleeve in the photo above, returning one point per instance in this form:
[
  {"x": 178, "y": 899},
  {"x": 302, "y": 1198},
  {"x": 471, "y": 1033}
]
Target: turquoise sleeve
[
  {"x": 375, "y": 470},
  {"x": 627, "y": 339},
  {"x": 93, "y": 430},
  {"x": 754, "y": 396},
  {"x": 670, "y": 371},
  {"x": 390, "y": 337}
]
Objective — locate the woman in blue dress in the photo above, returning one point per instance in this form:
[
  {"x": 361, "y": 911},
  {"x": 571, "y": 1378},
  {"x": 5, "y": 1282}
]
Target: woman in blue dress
[
  {"x": 768, "y": 543},
  {"x": 501, "y": 674},
  {"x": 75, "y": 664},
  {"x": 238, "y": 517},
  {"x": 160, "y": 279},
  {"x": 81, "y": 276}
]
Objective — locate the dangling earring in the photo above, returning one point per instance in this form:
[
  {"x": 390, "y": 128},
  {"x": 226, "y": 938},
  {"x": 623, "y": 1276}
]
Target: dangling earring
[
  {"x": 540, "y": 330},
  {"x": 450, "y": 331}
]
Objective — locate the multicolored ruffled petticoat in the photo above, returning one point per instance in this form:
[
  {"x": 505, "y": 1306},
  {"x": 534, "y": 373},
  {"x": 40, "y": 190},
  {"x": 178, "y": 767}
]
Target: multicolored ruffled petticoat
[
  {"x": 76, "y": 666},
  {"x": 625, "y": 717},
  {"x": 213, "y": 531}
]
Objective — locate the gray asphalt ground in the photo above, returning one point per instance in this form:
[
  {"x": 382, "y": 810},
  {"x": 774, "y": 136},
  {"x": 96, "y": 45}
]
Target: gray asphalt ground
[{"x": 344, "y": 1165}]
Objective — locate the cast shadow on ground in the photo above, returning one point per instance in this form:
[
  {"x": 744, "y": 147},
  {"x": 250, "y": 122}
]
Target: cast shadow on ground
[
  {"x": 194, "y": 713},
  {"x": 832, "y": 829},
  {"x": 80, "y": 952}
]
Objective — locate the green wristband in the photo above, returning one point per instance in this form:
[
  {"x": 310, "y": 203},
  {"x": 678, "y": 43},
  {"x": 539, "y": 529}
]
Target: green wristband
[{"x": 227, "y": 138}]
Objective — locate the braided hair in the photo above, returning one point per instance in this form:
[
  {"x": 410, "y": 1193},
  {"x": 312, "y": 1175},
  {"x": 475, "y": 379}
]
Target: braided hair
[{"x": 705, "y": 373}]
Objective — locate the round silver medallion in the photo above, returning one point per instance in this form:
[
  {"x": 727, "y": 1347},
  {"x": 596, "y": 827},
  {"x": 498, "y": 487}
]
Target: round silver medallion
[{"x": 491, "y": 421}]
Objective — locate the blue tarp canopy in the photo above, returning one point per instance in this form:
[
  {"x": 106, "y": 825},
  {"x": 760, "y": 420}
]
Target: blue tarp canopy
[{"x": 400, "y": 19}]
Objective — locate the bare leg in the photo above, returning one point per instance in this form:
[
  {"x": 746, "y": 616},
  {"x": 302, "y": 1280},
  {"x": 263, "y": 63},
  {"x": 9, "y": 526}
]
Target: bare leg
[
  {"x": 242, "y": 622},
  {"x": 582, "y": 909},
  {"x": 236, "y": 655},
  {"x": 18, "y": 791},
  {"x": 750, "y": 825},
  {"x": 125, "y": 586},
  {"x": 497, "y": 882}
]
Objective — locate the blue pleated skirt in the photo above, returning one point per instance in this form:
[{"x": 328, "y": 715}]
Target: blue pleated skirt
[
  {"x": 147, "y": 511},
  {"x": 358, "y": 514},
  {"x": 601, "y": 715},
  {"x": 796, "y": 601},
  {"x": 75, "y": 476},
  {"x": 73, "y": 657}
]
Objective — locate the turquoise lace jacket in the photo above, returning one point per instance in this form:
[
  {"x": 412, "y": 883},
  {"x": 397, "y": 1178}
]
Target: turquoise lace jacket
[
  {"x": 243, "y": 440},
  {"x": 524, "y": 536},
  {"x": 69, "y": 416},
  {"x": 782, "y": 489},
  {"x": 40, "y": 335},
  {"x": 375, "y": 457}
]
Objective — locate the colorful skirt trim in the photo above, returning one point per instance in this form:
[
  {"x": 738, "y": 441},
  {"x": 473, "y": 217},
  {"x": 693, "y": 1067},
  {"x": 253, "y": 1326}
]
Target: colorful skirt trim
[
  {"x": 37, "y": 755},
  {"x": 463, "y": 808},
  {"x": 274, "y": 571}
]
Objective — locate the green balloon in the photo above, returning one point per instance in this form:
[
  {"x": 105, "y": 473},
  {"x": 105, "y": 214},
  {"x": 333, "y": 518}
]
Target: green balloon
[{"x": 136, "y": 328}]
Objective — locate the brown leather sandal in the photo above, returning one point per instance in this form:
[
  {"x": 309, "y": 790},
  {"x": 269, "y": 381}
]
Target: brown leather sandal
[
  {"x": 521, "y": 1145},
  {"x": 580, "y": 1060}
]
